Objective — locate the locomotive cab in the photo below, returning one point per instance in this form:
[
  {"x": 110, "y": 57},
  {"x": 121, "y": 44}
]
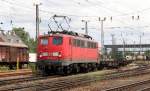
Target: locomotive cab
[
  {"x": 50, "y": 48},
  {"x": 52, "y": 52}
]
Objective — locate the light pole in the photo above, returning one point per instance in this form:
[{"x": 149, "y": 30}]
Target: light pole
[
  {"x": 123, "y": 45},
  {"x": 37, "y": 20},
  {"x": 137, "y": 18},
  {"x": 86, "y": 26},
  {"x": 102, "y": 35},
  {"x": 134, "y": 49},
  {"x": 141, "y": 42},
  {"x": 113, "y": 39},
  {"x": 37, "y": 3},
  {"x": 114, "y": 50}
]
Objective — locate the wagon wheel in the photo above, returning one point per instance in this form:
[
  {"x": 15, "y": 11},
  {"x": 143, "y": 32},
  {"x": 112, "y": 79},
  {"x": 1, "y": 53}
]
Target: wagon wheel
[{"x": 11, "y": 67}]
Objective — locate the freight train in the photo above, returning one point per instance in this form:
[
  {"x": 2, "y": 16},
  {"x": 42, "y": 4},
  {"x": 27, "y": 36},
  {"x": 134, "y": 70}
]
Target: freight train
[
  {"x": 12, "y": 49},
  {"x": 66, "y": 52}
]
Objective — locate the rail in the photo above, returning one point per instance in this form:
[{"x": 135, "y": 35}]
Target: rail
[
  {"x": 129, "y": 87},
  {"x": 70, "y": 82}
]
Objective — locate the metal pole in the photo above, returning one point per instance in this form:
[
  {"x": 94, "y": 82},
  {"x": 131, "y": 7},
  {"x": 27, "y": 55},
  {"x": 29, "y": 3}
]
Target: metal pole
[
  {"x": 113, "y": 39},
  {"x": 140, "y": 44},
  {"x": 37, "y": 21},
  {"x": 123, "y": 45},
  {"x": 37, "y": 29},
  {"x": 134, "y": 50},
  {"x": 114, "y": 50},
  {"x": 123, "y": 48},
  {"x": 102, "y": 37},
  {"x": 17, "y": 63},
  {"x": 86, "y": 28}
]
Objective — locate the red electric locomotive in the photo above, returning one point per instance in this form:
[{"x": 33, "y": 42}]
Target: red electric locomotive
[{"x": 66, "y": 52}]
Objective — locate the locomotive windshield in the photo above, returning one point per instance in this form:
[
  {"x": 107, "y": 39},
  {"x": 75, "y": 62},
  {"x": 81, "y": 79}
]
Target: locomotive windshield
[
  {"x": 57, "y": 40},
  {"x": 44, "y": 41}
]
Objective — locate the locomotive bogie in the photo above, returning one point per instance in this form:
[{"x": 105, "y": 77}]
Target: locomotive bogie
[{"x": 48, "y": 68}]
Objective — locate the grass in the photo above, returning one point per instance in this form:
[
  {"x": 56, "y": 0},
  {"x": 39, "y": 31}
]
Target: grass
[{"x": 5, "y": 69}]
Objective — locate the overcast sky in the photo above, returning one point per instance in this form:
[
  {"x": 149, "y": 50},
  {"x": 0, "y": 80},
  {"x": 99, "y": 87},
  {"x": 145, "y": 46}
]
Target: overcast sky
[{"x": 22, "y": 14}]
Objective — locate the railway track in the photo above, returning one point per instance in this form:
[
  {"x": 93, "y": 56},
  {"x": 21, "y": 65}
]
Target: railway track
[
  {"x": 24, "y": 79},
  {"x": 146, "y": 89},
  {"x": 136, "y": 86},
  {"x": 33, "y": 78},
  {"x": 15, "y": 73},
  {"x": 70, "y": 82}
]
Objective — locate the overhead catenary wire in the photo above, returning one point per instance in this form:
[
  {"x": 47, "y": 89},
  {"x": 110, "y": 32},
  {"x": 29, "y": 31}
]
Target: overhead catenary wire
[
  {"x": 49, "y": 12},
  {"x": 45, "y": 11}
]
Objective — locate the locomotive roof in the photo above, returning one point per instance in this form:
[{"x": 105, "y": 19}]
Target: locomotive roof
[{"x": 69, "y": 34}]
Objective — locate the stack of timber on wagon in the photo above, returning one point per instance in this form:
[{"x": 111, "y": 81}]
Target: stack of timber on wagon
[{"x": 12, "y": 49}]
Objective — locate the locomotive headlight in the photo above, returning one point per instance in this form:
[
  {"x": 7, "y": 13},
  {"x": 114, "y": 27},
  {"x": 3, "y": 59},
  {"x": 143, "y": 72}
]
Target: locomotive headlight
[
  {"x": 57, "y": 54},
  {"x": 40, "y": 55},
  {"x": 43, "y": 54}
]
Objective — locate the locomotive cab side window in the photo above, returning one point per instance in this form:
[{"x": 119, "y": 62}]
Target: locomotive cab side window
[
  {"x": 57, "y": 40},
  {"x": 44, "y": 41},
  {"x": 78, "y": 43},
  {"x": 82, "y": 44}
]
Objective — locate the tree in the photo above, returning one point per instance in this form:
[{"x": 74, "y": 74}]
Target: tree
[{"x": 25, "y": 37}]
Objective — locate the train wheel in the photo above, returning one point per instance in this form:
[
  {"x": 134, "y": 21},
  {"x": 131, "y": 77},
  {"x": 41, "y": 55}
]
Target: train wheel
[
  {"x": 10, "y": 67},
  {"x": 84, "y": 68},
  {"x": 94, "y": 67},
  {"x": 42, "y": 71},
  {"x": 89, "y": 67},
  {"x": 76, "y": 68},
  {"x": 100, "y": 66},
  {"x": 39, "y": 72},
  {"x": 47, "y": 70},
  {"x": 59, "y": 70},
  {"x": 67, "y": 70}
]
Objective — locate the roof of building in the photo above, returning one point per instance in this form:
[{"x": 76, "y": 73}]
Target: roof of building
[{"x": 10, "y": 39}]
